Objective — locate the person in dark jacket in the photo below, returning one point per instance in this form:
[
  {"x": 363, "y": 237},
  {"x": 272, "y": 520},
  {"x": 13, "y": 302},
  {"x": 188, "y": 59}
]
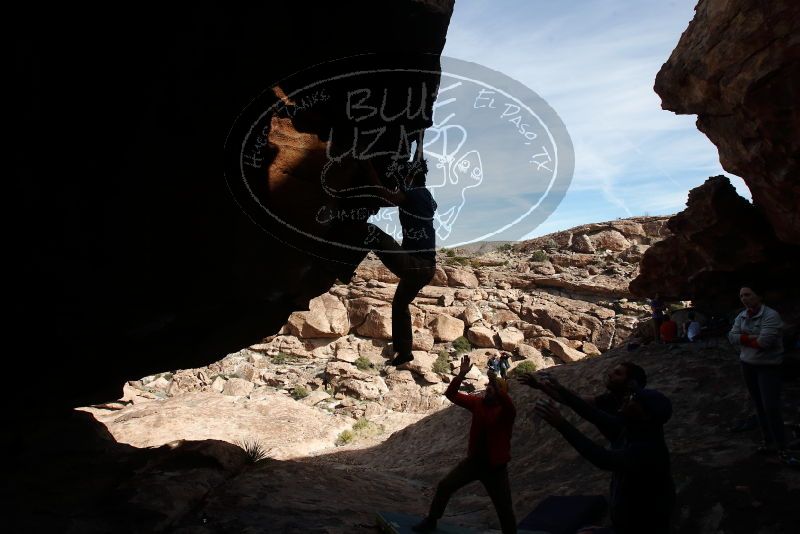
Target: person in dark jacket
[
  {"x": 504, "y": 364},
  {"x": 620, "y": 380},
  {"x": 488, "y": 453},
  {"x": 657, "y": 307},
  {"x": 642, "y": 493}
]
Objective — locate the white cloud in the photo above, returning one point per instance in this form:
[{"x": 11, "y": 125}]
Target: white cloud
[{"x": 595, "y": 62}]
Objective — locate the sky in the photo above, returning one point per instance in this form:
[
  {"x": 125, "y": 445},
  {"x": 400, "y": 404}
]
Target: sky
[{"x": 594, "y": 62}]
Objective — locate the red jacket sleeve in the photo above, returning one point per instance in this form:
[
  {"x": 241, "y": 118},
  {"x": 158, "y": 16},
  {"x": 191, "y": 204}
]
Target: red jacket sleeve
[
  {"x": 465, "y": 401},
  {"x": 749, "y": 341}
]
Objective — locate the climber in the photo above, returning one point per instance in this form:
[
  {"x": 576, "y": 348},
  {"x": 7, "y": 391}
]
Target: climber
[
  {"x": 413, "y": 262},
  {"x": 642, "y": 490},
  {"x": 488, "y": 453}
]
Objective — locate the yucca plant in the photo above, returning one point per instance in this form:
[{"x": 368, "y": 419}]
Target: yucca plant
[{"x": 254, "y": 450}]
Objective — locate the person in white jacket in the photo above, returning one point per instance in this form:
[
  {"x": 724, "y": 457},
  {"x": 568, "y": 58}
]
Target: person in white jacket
[{"x": 757, "y": 332}]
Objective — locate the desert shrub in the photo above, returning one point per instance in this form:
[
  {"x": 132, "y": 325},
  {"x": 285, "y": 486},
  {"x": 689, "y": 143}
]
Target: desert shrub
[
  {"x": 345, "y": 437},
  {"x": 442, "y": 363},
  {"x": 361, "y": 424},
  {"x": 364, "y": 428},
  {"x": 281, "y": 358},
  {"x": 299, "y": 392},
  {"x": 254, "y": 450},
  {"x": 450, "y": 253},
  {"x": 505, "y": 247},
  {"x": 462, "y": 344},
  {"x": 363, "y": 363},
  {"x": 458, "y": 260},
  {"x": 550, "y": 244},
  {"x": 539, "y": 256},
  {"x": 524, "y": 367}
]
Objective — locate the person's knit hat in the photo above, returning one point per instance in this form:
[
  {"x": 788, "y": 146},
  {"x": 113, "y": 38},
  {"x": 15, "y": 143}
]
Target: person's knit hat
[{"x": 656, "y": 404}]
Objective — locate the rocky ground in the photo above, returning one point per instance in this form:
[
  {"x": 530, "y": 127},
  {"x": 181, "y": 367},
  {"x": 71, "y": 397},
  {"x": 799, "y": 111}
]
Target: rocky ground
[
  {"x": 551, "y": 300},
  {"x": 83, "y": 479},
  {"x": 311, "y": 431},
  {"x": 723, "y": 486}
]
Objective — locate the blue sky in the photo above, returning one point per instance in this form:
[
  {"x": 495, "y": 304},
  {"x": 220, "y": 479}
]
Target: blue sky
[{"x": 594, "y": 62}]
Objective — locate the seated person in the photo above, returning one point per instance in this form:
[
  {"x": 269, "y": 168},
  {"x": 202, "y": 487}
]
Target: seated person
[
  {"x": 692, "y": 328},
  {"x": 668, "y": 330}
]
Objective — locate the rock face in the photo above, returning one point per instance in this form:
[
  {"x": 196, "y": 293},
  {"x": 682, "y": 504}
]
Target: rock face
[
  {"x": 133, "y": 229},
  {"x": 719, "y": 242},
  {"x": 737, "y": 68},
  {"x": 596, "y": 260}
]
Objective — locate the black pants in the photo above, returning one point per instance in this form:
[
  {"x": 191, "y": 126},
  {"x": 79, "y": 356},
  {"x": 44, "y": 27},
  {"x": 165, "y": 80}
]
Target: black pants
[
  {"x": 494, "y": 479},
  {"x": 764, "y": 384},
  {"x": 414, "y": 272}
]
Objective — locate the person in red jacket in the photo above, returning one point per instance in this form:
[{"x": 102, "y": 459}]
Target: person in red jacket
[
  {"x": 668, "y": 329},
  {"x": 488, "y": 453}
]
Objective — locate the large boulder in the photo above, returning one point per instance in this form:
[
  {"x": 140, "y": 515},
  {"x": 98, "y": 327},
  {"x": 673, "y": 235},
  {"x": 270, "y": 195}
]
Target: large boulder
[
  {"x": 377, "y": 324},
  {"x": 582, "y": 243},
  {"x": 373, "y": 269},
  {"x": 566, "y": 353},
  {"x": 719, "y": 242},
  {"x": 471, "y": 313},
  {"x": 347, "y": 379},
  {"x": 610, "y": 240},
  {"x": 326, "y": 317},
  {"x": 286, "y": 344},
  {"x": 359, "y": 307},
  {"x": 422, "y": 340},
  {"x": 446, "y": 328},
  {"x": 180, "y": 270},
  {"x": 481, "y": 336},
  {"x": 510, "y": 337},
  {"x": 422, "y": 366},
  {"x": 237, "y": 387},
  {"x": 460, "y": 278},
  {"x": 556, "y": 319},
  {"x": 534, "y": 355},
  {"x": 736, "y": 67},
  {"x": 590, "y": 349},
  {"x": 439, "y": 277}
]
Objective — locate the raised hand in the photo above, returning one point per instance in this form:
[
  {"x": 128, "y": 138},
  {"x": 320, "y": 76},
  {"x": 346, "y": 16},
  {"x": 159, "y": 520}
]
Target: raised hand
[
  {"x": 530, "y": 380},
  {"x": 546, "y": 384},
  {"x": 466, "y": 365}
]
